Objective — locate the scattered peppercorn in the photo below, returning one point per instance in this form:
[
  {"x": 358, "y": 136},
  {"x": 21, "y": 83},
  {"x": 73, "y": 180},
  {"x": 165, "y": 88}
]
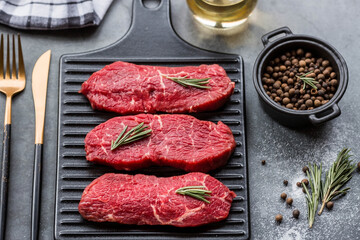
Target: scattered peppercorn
[
  {"x": 298, "y": 184},
  {"x": 283, "y": 196},
  {"x": 286, "y": 182},
  {"x": 359, "y": 166},
  {"x": 281, "y": 80},
  {"x": 296, "y": 213},
  {"x": 305, "y": 169},
  {"x": 278, "y": 218},
  {"x": 305, "y": 181},
  {"x": 304, "y": 191},
  {"x": 329, "y": 205},
  {"x": 289, "y": 201},
  {"x": 263, "y": 162}
]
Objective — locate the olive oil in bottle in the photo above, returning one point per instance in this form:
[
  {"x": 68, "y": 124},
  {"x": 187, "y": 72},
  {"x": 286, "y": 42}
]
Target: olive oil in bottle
[{"x": 221, "y": 13}]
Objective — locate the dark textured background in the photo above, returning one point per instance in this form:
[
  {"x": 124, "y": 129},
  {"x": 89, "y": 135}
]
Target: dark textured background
[{"x": 286, "y": 151}]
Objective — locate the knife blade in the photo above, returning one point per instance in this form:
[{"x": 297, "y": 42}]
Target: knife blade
[{"x": 39, "y": 89}]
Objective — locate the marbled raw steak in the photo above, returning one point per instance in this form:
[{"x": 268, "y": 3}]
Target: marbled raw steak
[
  {"x": 127, "y": 88},
  {"x": 143, "y": 199}
]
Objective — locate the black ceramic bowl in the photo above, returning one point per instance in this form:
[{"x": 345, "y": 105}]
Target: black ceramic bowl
[{"x": 288, "y": 42}]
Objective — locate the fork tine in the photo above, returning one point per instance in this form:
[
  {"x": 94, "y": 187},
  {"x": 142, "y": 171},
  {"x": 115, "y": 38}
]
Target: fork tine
[
  {"x": 13, "y": 72},
  {"x": 21, "y": 71},
  {"x": 2, "y": 57},
  {"x": 7, "y": 74}
]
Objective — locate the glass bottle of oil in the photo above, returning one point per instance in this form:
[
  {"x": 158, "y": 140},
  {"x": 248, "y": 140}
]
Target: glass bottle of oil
[{"x": 221, "y": 13}]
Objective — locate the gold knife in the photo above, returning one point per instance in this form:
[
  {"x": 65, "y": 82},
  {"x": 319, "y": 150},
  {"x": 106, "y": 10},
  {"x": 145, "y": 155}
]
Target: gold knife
[{"x": 39, "y": 88}]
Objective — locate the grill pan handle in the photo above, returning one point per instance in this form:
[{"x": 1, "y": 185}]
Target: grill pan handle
[
  {"x": 266, "y": 38},
  {"x": 150, "y": 29},
  {"x": 152, "y": 36},
  {"x": 150, "y": 20}
]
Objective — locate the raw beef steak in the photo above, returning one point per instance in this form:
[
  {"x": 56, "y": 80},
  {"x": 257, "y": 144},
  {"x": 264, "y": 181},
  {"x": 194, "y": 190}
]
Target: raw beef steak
[
  {"x": 148, "y": 200},
  {"x": 179, "y": 141},
  {"x": 127, "y": 88}
]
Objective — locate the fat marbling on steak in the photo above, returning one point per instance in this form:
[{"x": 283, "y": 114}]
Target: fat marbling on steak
[
  {"x": 149, "y": 200},
  {"x": 179, "y": 141},
  {"x": 127, "y": 88}
]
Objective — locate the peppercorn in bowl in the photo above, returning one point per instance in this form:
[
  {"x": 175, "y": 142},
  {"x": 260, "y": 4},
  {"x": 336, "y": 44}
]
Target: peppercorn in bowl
[{"x": 299, "y": 79}]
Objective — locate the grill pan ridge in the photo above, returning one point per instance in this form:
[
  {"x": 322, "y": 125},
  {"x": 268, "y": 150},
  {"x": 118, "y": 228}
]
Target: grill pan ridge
[{"x": 77, "y": 118}]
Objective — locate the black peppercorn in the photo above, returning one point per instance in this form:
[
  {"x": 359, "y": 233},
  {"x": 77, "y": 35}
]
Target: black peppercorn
[
  {"x": 320, "y": 76},
  {"x": 283, "y": 68},
  {"x": 302, "y": 63},
  {"x": 289, "y": 201},
  {"x": 358, "y": 166},
  {"x": 269, "y": 69},
  {"x": 283, "y": 196},
  {"x": 325, "y": 63},
  {"x": 309, "y": 103},
  {"x": 286, "y": 182},
  {"x": 329, "y": 205},
  {"x": 334, "y": 82},
  {"x": 298, "y": 184},
  {"x": 290, "y": 106},
  {"x": 278, "y": 218},
  {"x": 305, "y": 169},
  {"x": 317, "y": 103},
  {"x": 286, "y": 101},
  {"x": 290, "y": 81},
  {"x": 296, "y": 213},
  {"x": 300, "y": 52},
  {"x": 305, "y": 181},
  {"x": 263, "y": 162},
  {"x": 277, "y": 85}
]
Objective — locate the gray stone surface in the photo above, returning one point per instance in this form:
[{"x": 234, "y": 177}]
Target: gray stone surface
[{"x": 286, "y": 151}]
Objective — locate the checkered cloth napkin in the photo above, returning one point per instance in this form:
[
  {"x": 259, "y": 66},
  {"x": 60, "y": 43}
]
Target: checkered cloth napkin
[{"x": 52, "y": 14}]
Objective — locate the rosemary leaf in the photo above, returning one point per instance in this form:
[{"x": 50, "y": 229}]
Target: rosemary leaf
[
  {"x": 337, "y": 176},
  {"x": 197, "y": 196},
  {"x": 314, "y": 176},
  {"x": 138, "y": 132},
  {"x": 308, "y": 80},
  {"x": 190, "y": 82},
  {"x": 197, "y": 192}
]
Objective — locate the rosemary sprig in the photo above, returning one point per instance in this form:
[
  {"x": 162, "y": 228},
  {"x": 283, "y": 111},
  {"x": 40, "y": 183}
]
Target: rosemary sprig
[
  {"x": 190, "y": 82},
  {"x": 314, "y": 176},
  {"x": 136, "y": 133},
  {"x": 338, "y": 175},
  {"x": 308, "y": 80},
  {"x": 197, "y": 192}
]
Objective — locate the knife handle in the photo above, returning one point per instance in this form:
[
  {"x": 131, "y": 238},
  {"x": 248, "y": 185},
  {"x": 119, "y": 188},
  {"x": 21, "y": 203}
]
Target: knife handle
[
  {"x": 4, "y": 179},
  {"x": 35, "y": 207}
]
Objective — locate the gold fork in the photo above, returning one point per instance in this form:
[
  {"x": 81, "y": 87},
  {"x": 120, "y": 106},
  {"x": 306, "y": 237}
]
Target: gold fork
[{"x": 10, "y": 84}]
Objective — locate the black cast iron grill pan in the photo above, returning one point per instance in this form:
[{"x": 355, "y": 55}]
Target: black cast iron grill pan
[{"x": 152, "y": 43}]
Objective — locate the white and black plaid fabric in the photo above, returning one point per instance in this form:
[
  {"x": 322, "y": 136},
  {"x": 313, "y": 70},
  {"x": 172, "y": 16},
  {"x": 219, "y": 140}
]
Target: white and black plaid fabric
[{"x": 52, "y": 14}]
